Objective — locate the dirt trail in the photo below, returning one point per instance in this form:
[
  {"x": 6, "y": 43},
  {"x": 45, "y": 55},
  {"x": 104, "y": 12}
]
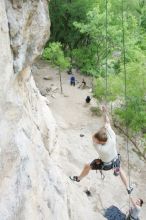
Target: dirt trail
[{"x": 74, "y": 117}]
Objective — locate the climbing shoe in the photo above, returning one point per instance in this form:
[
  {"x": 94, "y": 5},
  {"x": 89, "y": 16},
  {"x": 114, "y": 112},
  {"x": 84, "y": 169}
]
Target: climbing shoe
[
  {"x": 129, "y": 189},
  {"x": 74, "y": 178}
]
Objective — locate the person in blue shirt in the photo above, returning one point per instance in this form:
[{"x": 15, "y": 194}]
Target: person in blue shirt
[{"x": 72, "y": 80}]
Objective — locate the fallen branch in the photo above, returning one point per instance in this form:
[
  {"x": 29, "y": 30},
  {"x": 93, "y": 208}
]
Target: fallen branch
[
  {"x": 130, "y": 138},
  {"x": 47, "y": 78}
]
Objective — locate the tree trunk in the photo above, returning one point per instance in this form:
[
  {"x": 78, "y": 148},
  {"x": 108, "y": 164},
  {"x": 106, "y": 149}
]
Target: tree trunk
[
  {"x": 138, "y": 150},
  {"x": 60, "y": 81}
]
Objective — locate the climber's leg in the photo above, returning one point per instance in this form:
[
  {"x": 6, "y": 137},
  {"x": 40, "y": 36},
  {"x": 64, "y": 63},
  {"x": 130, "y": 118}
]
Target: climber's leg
[
  {"x": 94, "y": 165},
  {"x": 125, "y": 181},
  {"x": 85, "y": 171}
]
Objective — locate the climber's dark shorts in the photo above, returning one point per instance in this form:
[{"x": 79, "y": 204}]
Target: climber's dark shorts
[{"x": 98, "y": 164}]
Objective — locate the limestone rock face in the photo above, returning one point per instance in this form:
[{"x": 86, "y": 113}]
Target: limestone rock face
[
  {"x": 33, "y": 185},
  {"x": 27, "y": 127},
  {"x": 29, "y": 29}
]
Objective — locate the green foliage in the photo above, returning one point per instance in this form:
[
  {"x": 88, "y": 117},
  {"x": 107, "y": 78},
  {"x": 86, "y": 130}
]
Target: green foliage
[
  {"x": 114, "y": 89},
  {"x": 80, "y": 27},
  {"x": 96, "y": 111},
  {"x": 54, "y": 54},
  {"x": 133, "y": 114},
  {"x": 63, "y": 14},
  {"x": 85, "y": 59},
  {"x": 94, "y": 48}
]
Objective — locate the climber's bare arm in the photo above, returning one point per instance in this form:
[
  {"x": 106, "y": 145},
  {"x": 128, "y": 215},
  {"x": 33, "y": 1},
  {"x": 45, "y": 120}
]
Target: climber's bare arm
[{"x": 105, "y": 114}]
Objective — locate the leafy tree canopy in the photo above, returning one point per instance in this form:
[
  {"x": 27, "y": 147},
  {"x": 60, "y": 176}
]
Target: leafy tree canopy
[{"x": 80, "y": 27}]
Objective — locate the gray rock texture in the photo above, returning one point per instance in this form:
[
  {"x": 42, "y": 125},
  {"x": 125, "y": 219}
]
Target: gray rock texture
[
  {"x": 33, "y": 186},
  {"x": 29, "y": 29},
  {"x": 36, "y": 155},
  {"x": 27, "y": 127}
]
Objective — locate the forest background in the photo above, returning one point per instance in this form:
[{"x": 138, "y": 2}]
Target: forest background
[{"x": 89, "y": 38}]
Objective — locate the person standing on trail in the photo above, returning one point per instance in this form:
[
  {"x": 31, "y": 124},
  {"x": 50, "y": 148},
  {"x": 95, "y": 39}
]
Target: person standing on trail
[
  {"x": 72, "y": 80},
  {"x": 83, "y": 84},
  {"x": 134, "y": 212},
  {"x": 105, "y": 143},
  {"x": 69, "y": 71},
  {"x": 88, "y": 99}
]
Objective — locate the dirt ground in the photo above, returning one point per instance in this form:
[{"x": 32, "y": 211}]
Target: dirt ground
[{"x": 74, "y": 117}]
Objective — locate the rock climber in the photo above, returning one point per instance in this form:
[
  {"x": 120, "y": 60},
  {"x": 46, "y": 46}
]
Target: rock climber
[
  {"x": 134, "y": 211},
  {"x": 105, "y": 144}
]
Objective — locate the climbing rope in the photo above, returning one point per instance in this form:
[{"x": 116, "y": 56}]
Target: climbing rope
[
  {"x": 125, "y": 93},
  {"x": 106, "y": 61},
  {"x": 106, "y": 65},
  {"x": 125, "y": 79}
]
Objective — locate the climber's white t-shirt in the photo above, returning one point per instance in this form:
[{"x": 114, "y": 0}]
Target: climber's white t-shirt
[{"x": 108, "y": 151}]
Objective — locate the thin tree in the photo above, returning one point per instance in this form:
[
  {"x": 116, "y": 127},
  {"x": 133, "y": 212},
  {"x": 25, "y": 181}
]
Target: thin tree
[{"x": 55, "y": 55}]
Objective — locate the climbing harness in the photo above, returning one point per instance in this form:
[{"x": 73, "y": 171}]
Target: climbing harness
[
  {"x": 102, "y": 175},
  {"x": 114, "y": 164}
]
